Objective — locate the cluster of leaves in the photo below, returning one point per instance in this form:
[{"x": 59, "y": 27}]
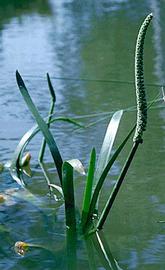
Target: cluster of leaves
[
  {"x": 97, "y": 170},
  {"x": 91, "y": 222}
]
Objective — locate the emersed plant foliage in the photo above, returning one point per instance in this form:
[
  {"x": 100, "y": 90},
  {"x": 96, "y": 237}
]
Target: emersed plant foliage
[{"x": 97, "y": 169}]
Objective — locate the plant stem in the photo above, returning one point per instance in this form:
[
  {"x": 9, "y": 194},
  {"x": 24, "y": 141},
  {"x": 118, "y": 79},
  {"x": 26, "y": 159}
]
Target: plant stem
[
  {"x": 116, "y": 188},
  {"x": 71, "y": 246}
]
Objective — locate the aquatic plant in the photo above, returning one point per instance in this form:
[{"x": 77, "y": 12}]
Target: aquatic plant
[{"x": 90, "y": 220}]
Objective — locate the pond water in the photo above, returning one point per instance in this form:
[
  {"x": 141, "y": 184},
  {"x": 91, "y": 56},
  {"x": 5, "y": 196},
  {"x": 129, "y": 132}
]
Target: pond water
[{"x": 88, "y": 49}]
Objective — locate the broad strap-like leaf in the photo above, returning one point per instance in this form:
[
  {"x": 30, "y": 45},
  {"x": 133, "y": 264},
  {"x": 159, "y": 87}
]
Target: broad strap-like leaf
[
  {"x": 42, "y": 125},
  {"x": 68, "y": 191},
  {"x": 103, "y": 177},
  {"x": 108, "y": 143}
]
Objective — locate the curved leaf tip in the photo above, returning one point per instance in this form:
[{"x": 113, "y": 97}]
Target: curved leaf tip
[{"x": 77, "y": 165}]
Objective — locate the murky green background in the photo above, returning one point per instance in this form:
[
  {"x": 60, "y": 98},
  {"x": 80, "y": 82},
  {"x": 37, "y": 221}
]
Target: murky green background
[{"x": 88, "y": 49}]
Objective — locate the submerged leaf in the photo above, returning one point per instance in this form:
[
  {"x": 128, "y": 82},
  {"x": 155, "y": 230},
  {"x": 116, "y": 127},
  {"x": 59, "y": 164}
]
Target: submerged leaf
[
  {"x": 4, "y": 229},
  {"x": 26, "y": 164},
  {"x": 57, "y": 190},
  {"x": 1, "y": 167},
  {"x": 21, "y": 248},
  {"x": 2, "y": 198}
]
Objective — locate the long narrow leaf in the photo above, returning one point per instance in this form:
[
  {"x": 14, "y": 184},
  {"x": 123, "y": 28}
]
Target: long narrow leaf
[
  {"x": 51, "y": 89},
  {"x": 43, "y": 126},
  {"x": 101, "y": 251},
  {"x": 88, "y": 187},
  {"x": 108, "y": 143},
  {"x": 104, "y": 252},
  {"x": 68, "y": 190},
  {"x": 103, "y": 177},
  {"x": 53, "y": 100},
  {"x": 117, "y": 186},
  {"x": 43, "y": 144},
  {"x": 15, "y": 167},
  {"x": 70, "y": 216}
]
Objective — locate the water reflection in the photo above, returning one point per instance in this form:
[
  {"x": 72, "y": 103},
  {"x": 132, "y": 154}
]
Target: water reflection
[
  {"x": 12, "y": 9},
  {"x": 157, "y": 38}
]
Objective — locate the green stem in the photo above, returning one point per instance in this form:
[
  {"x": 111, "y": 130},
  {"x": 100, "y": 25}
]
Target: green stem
[
  {"x": 100, "y": 183},
  {"x": 71, "y": 246},
  {"x": 90, "y": 253},
  {"x": 116, "y": 188}
]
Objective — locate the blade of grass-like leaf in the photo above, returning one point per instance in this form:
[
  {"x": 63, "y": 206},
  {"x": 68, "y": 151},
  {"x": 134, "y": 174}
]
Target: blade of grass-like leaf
[
  {"x": 141, "y": 121},
  {"x": 68, "y": 190},
  {"x": 43, "y": 144},
  {"x": 102, "y": 179},
  {"x": 15, "y": 167},
  {"x": 102, "y": 247},
  {"x": 88, "y": 187},
  {"x": 70, "y": 216},
  {"x": 43, "y": 126},
  {"x": 101, "y": 251},
  {"x": 116, "y": 188},
  {"x": 108, "y": 143},
  {"x": 53, "y": 100},
  {"x": 51, "y": 89}
]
